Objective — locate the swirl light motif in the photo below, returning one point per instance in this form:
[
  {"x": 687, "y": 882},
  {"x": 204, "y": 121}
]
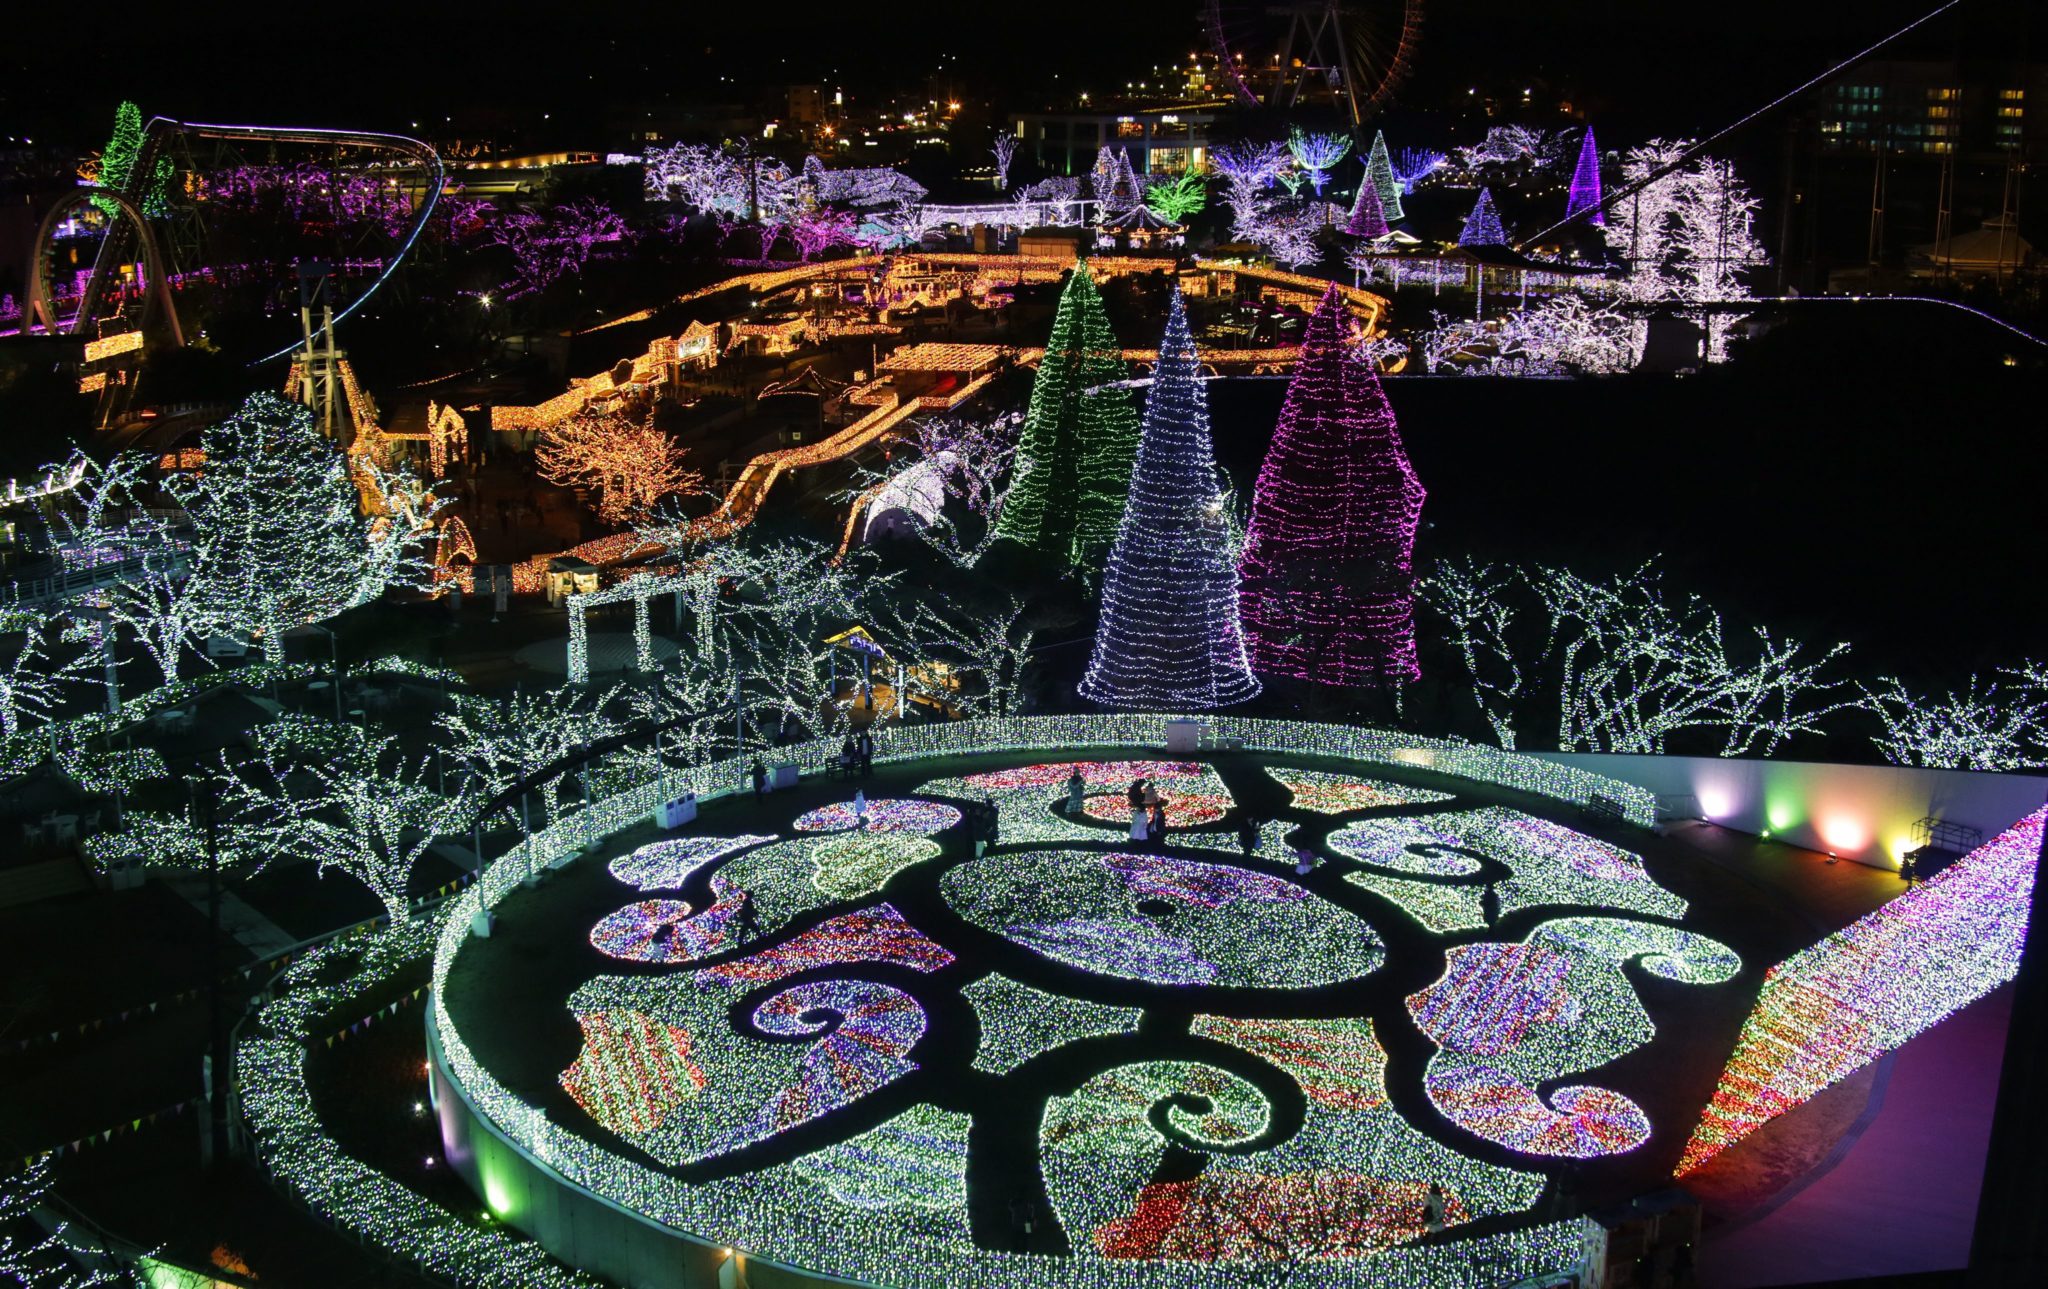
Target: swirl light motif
[
  {"x": 884, "y": 814},
  {"x": 1405, "y": 846},
  {"x": 876, "y": 1025},
  {"x": 666, "y": 865},
  {"x": 669, "y": 930}
]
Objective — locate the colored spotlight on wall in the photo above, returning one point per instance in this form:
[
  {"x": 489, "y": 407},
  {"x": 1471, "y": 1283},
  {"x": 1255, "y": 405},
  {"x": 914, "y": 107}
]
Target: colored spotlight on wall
[{"x": 1715, "y": 804}]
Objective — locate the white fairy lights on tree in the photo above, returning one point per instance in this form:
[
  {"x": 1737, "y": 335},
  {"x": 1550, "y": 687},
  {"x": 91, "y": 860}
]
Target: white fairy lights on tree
[
  {"x": 1004, "y": 146},
  {"x": 278, "y": 538},
  {"x": 1630, "y": 667},
  {"x": 1999, "y": 724},
  {"x": 370, "y": 813},
  {"x": 1686, "y": 236},
  {"x": 500, "y": 742}
]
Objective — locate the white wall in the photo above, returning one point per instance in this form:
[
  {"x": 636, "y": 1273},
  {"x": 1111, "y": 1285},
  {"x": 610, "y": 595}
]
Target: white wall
[{"x": 1860, "y": 812}]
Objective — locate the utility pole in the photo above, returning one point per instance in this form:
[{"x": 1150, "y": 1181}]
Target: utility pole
[{"x": 214, "y": 1066}]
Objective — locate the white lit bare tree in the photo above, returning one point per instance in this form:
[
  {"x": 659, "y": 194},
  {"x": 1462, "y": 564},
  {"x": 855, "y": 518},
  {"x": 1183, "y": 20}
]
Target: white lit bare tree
[
  {"x": 1627, "y": 666},
  {"x": 1476, "y": 603},
  {"x": 366, "y": 810},
  {"x": 43, "y": 1262},
  {"x": 498, "y": 742},
  {"x": 1999, "y": 724}
]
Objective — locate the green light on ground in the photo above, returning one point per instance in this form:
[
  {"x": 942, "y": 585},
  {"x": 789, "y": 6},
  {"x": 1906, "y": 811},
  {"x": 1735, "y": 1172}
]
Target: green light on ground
[{"x": 497, "y": 1195}]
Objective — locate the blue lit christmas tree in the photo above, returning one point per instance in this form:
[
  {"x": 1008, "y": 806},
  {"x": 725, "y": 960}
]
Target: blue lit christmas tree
[
  {"x": 1482, "y": 227},
  {"x": 1169, "y": 637}
]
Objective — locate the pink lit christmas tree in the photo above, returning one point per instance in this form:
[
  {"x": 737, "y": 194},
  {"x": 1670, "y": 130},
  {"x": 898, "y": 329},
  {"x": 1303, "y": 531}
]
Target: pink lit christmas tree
[
  {"x": 1585, "y": 191},
  {"x": 1328, "y": 575},
  {"x": 1168, "y": 638}
]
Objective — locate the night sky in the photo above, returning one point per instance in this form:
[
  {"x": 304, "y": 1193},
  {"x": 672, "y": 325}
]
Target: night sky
[{"x": 1663, "y": 66}]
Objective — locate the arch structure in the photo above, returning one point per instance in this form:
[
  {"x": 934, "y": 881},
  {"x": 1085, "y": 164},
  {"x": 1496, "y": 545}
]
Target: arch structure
[
  {"x": 164, "y": 133},
  {"x": 41, "y": 307}
]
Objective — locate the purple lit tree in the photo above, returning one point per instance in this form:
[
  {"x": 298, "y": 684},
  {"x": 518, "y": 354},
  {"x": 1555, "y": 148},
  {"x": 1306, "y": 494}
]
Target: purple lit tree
[
  {"x": 1585, "y": 193},
  {"x": 1368, "y": 217},
  {"x": 1482, "y": 226},
  {"x": 1169, "y": 638},
  {"x": 547, "y": 248},
  {"x": 1328, "y": 592}
]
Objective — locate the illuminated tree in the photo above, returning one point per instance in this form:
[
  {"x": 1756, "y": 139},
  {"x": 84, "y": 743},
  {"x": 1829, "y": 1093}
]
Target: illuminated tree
[
  {"x": 363, "y": 809},
  {"x": 629, "y": 462},
  {"x": 1629, "y": 666},
  {"x": 1482, "y": 226},
  {"x": 278, "y": 536},
  {"x": 1328, "y": 591},
  {"x": 1073, "y": 467},
  {"x": 500, "y": 742},
  {"x": 1585, "y": 189},
  {"x": 117, "y": 159},
  {"x": 1379, "y": 169},
  {"x": 2000, "y": 724},
  {"x": 547, "y": 247},
  {"x": 1005, "y": 149},
  {"x": 35, "y": 675},
  {"x": 1168, "y": 637},
  {"x": 1316, "y": 153},
  {"x": 820, "y": 228},
  {"x": 1368, "y": 218},
  {"x": 1477, "y": 607},
  {"x": 41, "y": 1261},
  {"x": 105, "y": 518},
  {"x": 1686, "y": 233},
  {"x": 1115, "y": 183},
  {"x": 1179, "y": 198}
]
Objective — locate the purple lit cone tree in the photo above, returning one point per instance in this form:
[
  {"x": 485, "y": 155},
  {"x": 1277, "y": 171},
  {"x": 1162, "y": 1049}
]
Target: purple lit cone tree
[
  {"x": 1368, "y": 217},
  {"x": 1585, "y": 190},
  {"x": 1328, "y": 593},
  {"x": 1168, "y": 638}
]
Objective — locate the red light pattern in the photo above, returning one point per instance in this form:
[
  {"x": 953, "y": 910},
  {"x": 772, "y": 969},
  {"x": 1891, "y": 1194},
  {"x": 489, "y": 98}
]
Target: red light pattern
[
  {"x": 1501, "y": 1108},
  {"x": 877, "y": 935},
  {"x": 632, "y": 1071},
  {"x": 1224, "y": 1215}
]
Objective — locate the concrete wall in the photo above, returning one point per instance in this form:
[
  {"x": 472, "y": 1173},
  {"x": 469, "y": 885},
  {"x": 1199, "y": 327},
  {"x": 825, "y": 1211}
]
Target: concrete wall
[{"x": 1860, "y": 812}]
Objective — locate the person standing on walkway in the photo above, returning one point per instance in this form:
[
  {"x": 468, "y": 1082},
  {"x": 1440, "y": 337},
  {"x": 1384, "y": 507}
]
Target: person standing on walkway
[
  {"x": 759, "y": 773},
  {"x": 865, "y": 744},
  {"x": 1433, "y": 1209},
  {"x": 1304, "y": 861},
  {"x": 860, "y": 809},
  {"x": 1248, "y": 834},
  {"x": 1077, "y": 792}
]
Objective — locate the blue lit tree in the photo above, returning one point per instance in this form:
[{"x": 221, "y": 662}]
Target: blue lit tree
[
  {"x": 1169, "y": 638},
  {"x": 1482, "y": 227}
]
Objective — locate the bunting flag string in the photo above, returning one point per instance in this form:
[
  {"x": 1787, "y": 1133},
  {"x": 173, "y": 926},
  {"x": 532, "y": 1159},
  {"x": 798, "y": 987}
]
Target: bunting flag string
[
  {"x": 268, "y": 967},
  {"x": 390, "y": 1009},
  {"x": 105, "y": 1135}
]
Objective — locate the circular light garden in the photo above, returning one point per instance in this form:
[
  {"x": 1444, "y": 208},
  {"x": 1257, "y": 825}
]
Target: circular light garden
[{"x": 841, "y": 1041}]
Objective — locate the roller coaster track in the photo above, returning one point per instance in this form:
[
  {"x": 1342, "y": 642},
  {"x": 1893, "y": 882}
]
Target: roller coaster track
[{"x": 163, "y": 133}]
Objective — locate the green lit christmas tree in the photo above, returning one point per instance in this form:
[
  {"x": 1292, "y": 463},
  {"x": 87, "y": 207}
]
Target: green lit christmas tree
[
  {"x": 1379, "y": 169},
  {"x": 117, "y": 159},
  {"x": 1073, "y": 470}
]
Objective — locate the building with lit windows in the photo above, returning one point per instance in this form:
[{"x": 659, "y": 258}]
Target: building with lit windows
[
  {"x": 1937, "y": 109},
  {"x": 1167, "y": 140}
]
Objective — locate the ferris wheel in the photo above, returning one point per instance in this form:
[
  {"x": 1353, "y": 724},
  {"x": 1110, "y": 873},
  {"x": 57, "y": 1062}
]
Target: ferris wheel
[{"x": 1349, "y": 53}]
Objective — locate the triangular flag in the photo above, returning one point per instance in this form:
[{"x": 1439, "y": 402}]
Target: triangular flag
[
  {"x": 108, "y": 1135},
  {"x": 136, "y": 1126},
  {"x": 330, "y": 1040}
]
